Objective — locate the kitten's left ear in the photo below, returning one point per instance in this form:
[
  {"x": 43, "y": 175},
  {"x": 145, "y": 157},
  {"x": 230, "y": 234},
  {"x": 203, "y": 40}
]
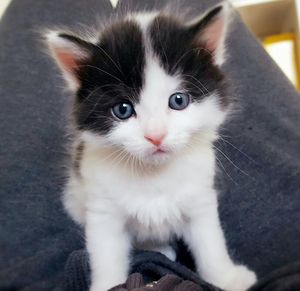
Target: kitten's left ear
[
  {"x": 210, "y": 31},
  {"x": 70, "y": 53}
]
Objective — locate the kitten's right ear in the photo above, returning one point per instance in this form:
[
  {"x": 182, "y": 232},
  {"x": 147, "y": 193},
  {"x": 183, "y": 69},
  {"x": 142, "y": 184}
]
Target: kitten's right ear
[{"x": 70, "y": 53}]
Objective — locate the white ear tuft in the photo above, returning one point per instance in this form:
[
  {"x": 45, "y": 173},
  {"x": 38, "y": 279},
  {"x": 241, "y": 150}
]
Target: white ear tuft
[
  {"x": 211, "y": 30},
  {"x": 70, "y": 52}
]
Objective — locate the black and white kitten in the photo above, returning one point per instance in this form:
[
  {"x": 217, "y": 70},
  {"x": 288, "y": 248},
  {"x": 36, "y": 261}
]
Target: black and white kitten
[{"x": 149, "y": 98}]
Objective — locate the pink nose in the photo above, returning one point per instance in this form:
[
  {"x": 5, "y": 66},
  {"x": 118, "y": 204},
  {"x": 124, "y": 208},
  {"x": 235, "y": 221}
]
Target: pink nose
[{"x": 155, "y": 139}]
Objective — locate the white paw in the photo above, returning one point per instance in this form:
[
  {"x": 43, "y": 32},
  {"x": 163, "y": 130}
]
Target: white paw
[
  {"x": 99, "y": 287},
  {"x": 238, "y": 278},
  {"x": 104, "y": 285}
]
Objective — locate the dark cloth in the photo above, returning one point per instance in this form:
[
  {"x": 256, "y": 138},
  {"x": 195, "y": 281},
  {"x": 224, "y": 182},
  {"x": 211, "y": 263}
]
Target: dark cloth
[
  {"x": 286, "y": 278},
  {"x": 154, "y": 266},
  {"x": 167, "y": 283},
  {"x": 259, "y": 186}
]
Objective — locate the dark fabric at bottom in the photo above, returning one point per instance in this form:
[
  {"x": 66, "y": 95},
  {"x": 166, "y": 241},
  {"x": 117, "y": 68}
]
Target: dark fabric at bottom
[
  {"x": 169, "y": 282},
  {"x": 286, "y": 278},
  {"x": 154, "y": 266}
]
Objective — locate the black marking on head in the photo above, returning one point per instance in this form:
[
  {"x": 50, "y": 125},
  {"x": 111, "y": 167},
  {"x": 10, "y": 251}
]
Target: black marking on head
[
  {"x": 113, "y": 74},
  {"x": 173, "y": 43},
  {"x": 78, "y": 157}
]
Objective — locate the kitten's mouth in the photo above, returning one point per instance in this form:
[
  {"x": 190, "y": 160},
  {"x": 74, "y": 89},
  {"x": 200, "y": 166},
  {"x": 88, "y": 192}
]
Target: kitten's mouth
[
  {"x": 160, "y": 151},
  {"x": 157, "y": 156}
]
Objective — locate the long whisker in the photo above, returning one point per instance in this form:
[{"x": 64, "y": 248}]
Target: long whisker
[
  {"x": 118, "y": 151},
  {"x": 196, "y": 80},
  {"x": 239, "y": 150},
  {"x": 231, "y": 162},
  {"x": 186, "y": 81},
  {"x": 110, "y": 58},
  {"x": 224, "y": 169},
  {"x": 103, "y": 71}
]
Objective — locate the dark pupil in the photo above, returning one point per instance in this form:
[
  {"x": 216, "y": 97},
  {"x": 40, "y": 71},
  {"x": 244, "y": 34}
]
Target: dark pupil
[
  {"x": 179, "y": 100},
  {"x": 123, "y": 109}
]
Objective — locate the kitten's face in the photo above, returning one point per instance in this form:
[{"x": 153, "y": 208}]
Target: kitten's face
[{"x": 150, "y": 86}]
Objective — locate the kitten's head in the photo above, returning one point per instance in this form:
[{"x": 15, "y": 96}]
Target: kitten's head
[{"x": 150, "y": 85}]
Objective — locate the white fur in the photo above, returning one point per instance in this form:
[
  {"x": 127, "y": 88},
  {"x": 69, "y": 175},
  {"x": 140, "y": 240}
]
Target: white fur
[
  {"x": 143, "y": 18},
  {"x": 125, "y": 194},
  {"x": 124, "y": 205}
]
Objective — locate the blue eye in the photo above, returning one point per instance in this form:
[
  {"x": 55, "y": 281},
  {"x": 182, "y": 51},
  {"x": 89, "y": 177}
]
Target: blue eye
[
  {"x": 179, "y": 101},
  {"x": 123, "y": 110}
]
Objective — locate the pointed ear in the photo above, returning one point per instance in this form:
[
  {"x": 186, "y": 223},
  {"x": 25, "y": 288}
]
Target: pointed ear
[
  {"x": 210, "y": 31},
  {"x": 70, "y": 53}
]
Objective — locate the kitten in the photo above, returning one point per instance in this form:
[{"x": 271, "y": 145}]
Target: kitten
[{"x": 149, "y": 98}]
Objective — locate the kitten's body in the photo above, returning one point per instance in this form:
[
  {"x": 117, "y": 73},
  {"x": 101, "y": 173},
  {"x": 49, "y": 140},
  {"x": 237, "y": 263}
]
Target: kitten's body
[{"x": 150, "y": 176}]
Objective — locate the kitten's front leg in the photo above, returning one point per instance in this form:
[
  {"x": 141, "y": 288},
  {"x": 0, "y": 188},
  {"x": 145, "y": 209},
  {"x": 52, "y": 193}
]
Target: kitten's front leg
[
  {"x": 207, "y": 243},
  {"x": 108, "y": 246}
]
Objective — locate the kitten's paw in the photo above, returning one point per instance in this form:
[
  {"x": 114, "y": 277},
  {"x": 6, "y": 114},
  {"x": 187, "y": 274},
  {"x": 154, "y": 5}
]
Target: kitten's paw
[
  {"x": 238, "y": 278},
  {"x": 97, "y": 287}
]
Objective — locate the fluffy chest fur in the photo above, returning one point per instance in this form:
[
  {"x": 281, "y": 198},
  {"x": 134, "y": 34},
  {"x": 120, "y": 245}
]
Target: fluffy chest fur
[{"x": 155, "y": 204}]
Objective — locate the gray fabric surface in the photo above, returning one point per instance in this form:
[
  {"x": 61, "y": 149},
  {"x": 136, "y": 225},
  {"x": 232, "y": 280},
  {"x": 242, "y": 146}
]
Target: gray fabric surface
[{"x": 259, "y": 210}]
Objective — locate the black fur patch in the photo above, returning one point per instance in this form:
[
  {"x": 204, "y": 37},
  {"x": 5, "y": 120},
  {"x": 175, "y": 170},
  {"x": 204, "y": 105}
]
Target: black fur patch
[
  {"x": 177, "y": 51},
  {"x": 114, "y": 73}
]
